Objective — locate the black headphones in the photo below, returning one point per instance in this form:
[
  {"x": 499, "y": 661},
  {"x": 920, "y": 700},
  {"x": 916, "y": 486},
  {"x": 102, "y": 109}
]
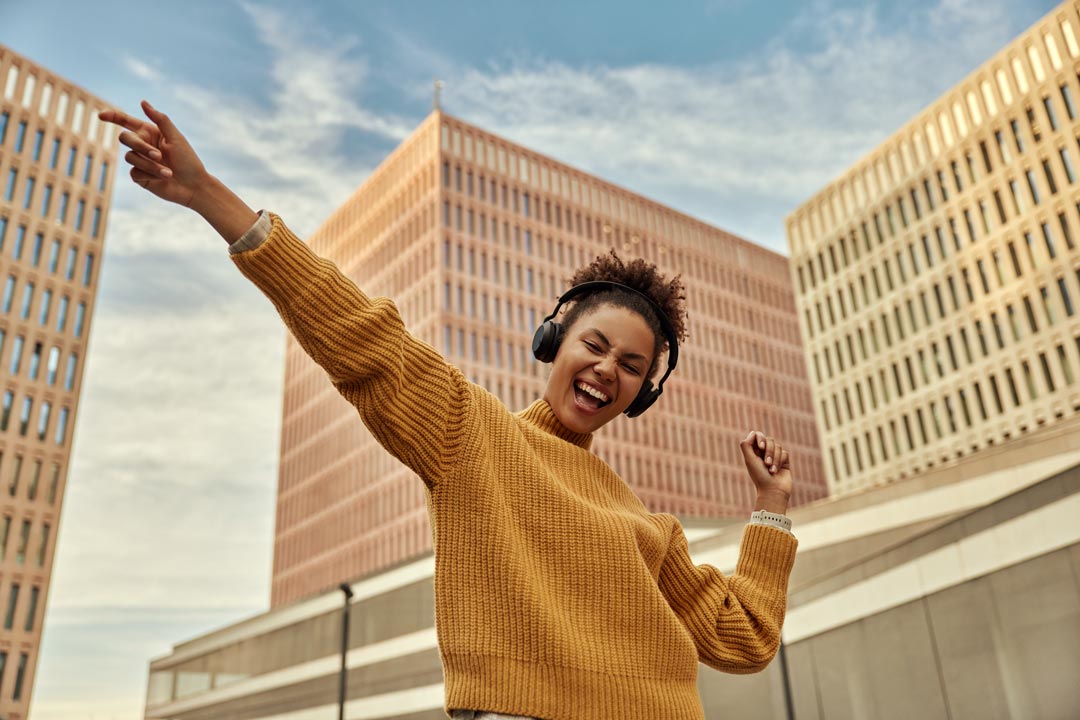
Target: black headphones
[{"x": 548, "y": 337}]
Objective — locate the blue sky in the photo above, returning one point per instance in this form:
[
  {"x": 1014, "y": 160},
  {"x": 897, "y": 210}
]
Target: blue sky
[{"x": 734, "y": 112}]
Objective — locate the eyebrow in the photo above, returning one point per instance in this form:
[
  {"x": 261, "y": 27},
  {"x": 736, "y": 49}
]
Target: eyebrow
[{"x": 626, "y": 356}]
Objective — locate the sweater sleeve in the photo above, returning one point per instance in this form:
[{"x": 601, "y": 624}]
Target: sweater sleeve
[
  {"x": 735, "y": 620},
  {"x": 408, "y": 396}
]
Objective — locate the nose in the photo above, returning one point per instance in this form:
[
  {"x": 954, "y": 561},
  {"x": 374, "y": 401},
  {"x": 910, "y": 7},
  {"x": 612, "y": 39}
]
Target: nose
[{"x": 605, "y": 368}]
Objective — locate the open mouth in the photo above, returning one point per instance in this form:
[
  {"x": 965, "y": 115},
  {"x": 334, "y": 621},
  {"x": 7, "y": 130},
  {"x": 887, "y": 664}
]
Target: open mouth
[{"x": 589, "y": 397}]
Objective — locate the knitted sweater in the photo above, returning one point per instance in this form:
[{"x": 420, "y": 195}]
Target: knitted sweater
[{"x": 558, "y": 595}]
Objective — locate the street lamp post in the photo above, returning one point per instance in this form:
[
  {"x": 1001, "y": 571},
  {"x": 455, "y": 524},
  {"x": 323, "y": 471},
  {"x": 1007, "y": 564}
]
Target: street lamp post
[{"x": 347, "y": 590}]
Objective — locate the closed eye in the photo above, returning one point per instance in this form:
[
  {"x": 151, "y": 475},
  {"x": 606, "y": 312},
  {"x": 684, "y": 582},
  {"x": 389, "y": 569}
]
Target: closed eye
[
  {"x": 631, "y": 369},
  {"x": 593, "y": 346}
]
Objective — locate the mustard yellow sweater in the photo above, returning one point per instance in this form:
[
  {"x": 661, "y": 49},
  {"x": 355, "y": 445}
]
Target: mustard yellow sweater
[{"x": 558, "y": 595}]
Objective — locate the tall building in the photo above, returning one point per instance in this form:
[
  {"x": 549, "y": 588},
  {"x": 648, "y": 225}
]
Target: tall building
[
  {"x": 938, "y": 277},
  {"x": 56, "y": 168},
  {"x": 474, "y": 237}
]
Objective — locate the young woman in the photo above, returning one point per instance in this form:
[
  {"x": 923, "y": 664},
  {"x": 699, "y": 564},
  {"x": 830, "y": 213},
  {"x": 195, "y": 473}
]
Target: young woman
[{"x": 558, "y": 595}]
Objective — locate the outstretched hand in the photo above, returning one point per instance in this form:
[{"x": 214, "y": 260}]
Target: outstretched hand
[
  {"x": 162, "y": 161},
  {"x": 770, "y": 469}
]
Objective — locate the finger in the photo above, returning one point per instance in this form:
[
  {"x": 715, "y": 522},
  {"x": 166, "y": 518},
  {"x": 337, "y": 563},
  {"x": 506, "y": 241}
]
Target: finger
[
  {"x": 141, "y": 178},
  {"x": 784, "y": 461},
  {"x": 146, "y": 165},
  {"x": 122, "y": 119},
  {"x": 749, "y": 446},
  {"x": 760, "y": 437},
  {"x": 139, "y": 145},
  {"x": 162, "y": 121},
  {"x": 770, "y": 452}
]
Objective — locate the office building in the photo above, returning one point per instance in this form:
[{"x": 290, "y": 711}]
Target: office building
[
  {"x": 57, "y": 163},
  {"x": 474, "y": 237},
  {"x": 937, "y": 278}
]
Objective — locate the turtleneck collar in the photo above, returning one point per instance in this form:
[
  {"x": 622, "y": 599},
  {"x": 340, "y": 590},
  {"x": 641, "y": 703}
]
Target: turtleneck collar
[{"x": 541, "y": 415}]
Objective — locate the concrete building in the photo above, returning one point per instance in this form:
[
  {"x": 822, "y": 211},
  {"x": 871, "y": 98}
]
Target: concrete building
[
  {"x": 473, "y": 237},
  {"x": 937, "y": 278},
  {"x": 57, "y": 164},
  {"x": 953, "y": 594}
]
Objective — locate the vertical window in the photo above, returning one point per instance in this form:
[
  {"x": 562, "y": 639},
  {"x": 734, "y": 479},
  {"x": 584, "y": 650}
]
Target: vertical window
[
  {"x": 13, "y": 601},
  {"x": 3, "y": 231},
  {"x": 5, "y": 531},
  {"x": 28, "y": 299},
  {"x": 54, "y": 155},
  {"x": 24, "y": 416},
  {"x": 43, "y": 546},
  {"x": 54, "y": 252},
  {"x": 20, "y": 238},
  {"x": 20, "y": 137},
  {"x": 103, "y": 176},
  {"x": 61, "y": 313},
  {"x": 4, "y": 118},
  {"x": 88, "y": 269},
  {"x": 39, "y": 138},
  {"x": 86, "y": 169},
  {"x": 54, "y": 483},
  {"x": 46, "y": 200},
  {"x": 46, "y": 301},
  {"x": 35, "y": 361},
  {"x": 80, "y": 213},
  {"x": 16, "y": 354},
  {"x": 9, "y": 192},
  {"x": 72, "y": 154},
  {"x": 43, "y": 419},
  {"x": 52, "y": 365},
  {"x": 29, "y": 197},
  {"x": 95, "y": 223},
  {"x": 35, "y": 255},
  {"x": 61, "y": 426},
  {"x": 16, "y": 471},
  {"x": 31, "y": 611},
  {"x": 61, "y": 213},
  {"x": 1066, "y": 162},
  {"x": 35, "y": 478},
  {"x": 9, "y": 291},
  {"x": 73, "y": 253},
  {"x": 5, "y": 414},
  {"x": 24, "y": 538},
  {"x": 1048, "y": 105},
  {"x": 20, "y": 674}
]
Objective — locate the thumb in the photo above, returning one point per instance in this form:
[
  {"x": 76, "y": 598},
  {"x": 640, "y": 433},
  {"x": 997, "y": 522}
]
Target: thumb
[
  {"x": 168, "y": 130},
  {"x": 747, "y": 446}
]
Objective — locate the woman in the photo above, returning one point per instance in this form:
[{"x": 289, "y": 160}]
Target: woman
[{"x": 557, "y": 594}]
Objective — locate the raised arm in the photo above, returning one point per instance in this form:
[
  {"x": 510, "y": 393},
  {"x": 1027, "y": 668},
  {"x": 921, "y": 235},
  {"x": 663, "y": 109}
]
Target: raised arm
[{"x": 164, "y": 163}]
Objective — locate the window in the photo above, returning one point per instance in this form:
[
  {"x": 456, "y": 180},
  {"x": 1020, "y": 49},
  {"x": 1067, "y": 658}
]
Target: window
[
  {"x": 3, "y": 231},
  {"x": 20, "y": 238},
  {"x": 46, "y": 301},
  {"x": 5, "y": 530},
  {"x": 104, "y": 175},
  {"x": 80, "y": 214},
  {"x": 16, "y": 354},
  {"x": 88, "y": 269},
  {"x": 35, "y": 361},
  {"x": 28, "y": 299},
  {"x": 20, "y": 137},
  {"x": 5, "y": 415},
  {"x": 9, "y": 291},
  {"x": 95, "y": 223},
  {"x": 24, "y": 416},
  {"x": 29, "y": 196},
  {"x": 54, "y": 156},
  {"x": 43, "y": 419},
  {"x": 39, "y": 137},
  {"x": 61, "y": 214},
  {"x": 24, "y": 538},
  {"x": 35, "y": 255},
  {"x": 31, "y": 611},
  {"x": 13, "y": 601},
  {"x": 43, "y": 546},
  {"x": 9, "y": 193},
  {"x": 4, "y": 118},
  {"x": 61, "y": 313},
  {"x": 86, "y": 169},
  {"x": 16, "y": 471},
  {"x": 53, "y": 365},
  {"x": 20, "y": 674},
  {"x": 72, "y": 154},
  {"x": 61, "y": 426},
  {"x": 80, "y": 316},
  {"x": 73, "y": 253},
  {"x": 35, "y": 478}
]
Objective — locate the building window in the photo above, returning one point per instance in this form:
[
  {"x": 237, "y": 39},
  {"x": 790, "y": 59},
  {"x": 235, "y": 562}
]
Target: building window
[
  {"x": 9, "y": 292},
  {"x": 61, "y": 426},
  {"x": 16, "y": 354},
  {"x": 24, "y": 417},
  {"x": 31, "y": 611},
  {"x": 20, "y": 674},
  {"x": 52, "y": 365},
  {"x": 43, "y": 546},
  {"x": 24, "y": 538},
  {"x": 43, "y": 419},
  {"x": 5, "y": 414},
  {"x": 13, "y": 601},
  {"x": 9, "y": 193},
  {"x": 61, "y": 313},
  {"x": 20, "y": 137},
  {"x": 28, "y": 299}
]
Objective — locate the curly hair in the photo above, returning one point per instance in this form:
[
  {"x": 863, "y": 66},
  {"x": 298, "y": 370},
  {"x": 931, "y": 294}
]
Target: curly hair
[{"x": 643, "y": 276}]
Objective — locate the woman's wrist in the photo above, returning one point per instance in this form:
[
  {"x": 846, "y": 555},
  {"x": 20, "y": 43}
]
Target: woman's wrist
[
  {"x": 222, "y": 208},
  {"x": 773, "y": 501}
]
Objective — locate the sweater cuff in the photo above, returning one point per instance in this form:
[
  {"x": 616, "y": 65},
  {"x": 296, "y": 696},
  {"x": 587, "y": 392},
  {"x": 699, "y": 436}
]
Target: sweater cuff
[
  {"x": 255, "y": 235},
  {"x": 767, "y": 555}
]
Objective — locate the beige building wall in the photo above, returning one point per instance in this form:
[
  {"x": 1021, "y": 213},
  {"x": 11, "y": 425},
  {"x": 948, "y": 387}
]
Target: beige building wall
[
  {"x": 938, "y": 278},
  {"x": 474, "y": 237},
  {"x": 57, "y": 163}
]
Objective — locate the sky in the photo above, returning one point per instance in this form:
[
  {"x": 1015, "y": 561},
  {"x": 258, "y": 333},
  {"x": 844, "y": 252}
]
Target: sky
[{"x": 733, "y": 111}]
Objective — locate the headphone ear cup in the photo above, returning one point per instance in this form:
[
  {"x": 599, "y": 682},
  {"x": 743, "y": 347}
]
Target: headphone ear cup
[
  {"x": 644, "y": 400},
  {"x": 546, "y": 341}
]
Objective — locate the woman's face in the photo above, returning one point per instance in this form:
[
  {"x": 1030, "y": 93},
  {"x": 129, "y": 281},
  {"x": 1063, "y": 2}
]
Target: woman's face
[{"x": 601, "y": 364}]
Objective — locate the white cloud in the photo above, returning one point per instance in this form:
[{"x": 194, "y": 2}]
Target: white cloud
[
  {"x": 140, "y": 69},
  {"x": 740, "y": 144}
]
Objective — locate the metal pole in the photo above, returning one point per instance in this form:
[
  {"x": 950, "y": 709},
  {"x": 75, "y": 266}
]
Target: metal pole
[
  {"x": 789, "y": 709},
  {"x": 347, "y": 589}
]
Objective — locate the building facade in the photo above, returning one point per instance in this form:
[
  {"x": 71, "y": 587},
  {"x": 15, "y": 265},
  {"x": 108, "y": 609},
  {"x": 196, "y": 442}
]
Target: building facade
[
  {"x": 937, "y": 279},
  {"x": 56, "y": 173},
  {"x": 474, "y": 237},
  {"x": 953, "y": 594}
]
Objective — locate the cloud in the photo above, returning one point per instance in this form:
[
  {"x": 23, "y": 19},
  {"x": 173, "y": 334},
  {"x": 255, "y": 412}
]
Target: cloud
[
  {"x": 140, "y": 69},
  {"x": 740, "y": 144}
]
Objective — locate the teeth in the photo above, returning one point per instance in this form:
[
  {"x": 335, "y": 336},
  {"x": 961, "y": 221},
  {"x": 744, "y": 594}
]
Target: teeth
[{"x": 592, "y": 391}]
